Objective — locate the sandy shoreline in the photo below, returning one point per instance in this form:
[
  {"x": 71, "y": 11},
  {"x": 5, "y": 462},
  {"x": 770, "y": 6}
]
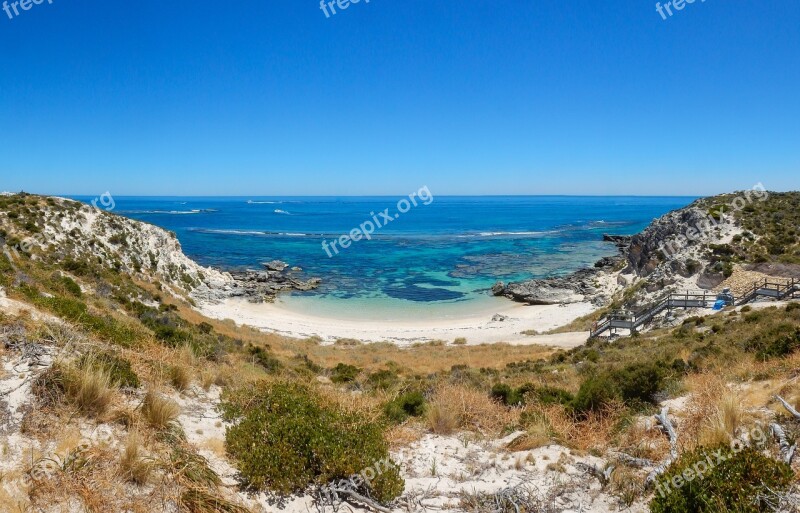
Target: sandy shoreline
[{"x": 477, "y": 328}]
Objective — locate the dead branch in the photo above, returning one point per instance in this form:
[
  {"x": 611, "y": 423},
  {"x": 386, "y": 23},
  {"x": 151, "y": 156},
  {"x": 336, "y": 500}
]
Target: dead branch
[
  {"x": 787, "y": 451},
  {"x": 602, "y": 475},
  {"x": 788, "y": 407},
  {"x": 635, "y": 462},
  {"x": 669, "y": 430}
]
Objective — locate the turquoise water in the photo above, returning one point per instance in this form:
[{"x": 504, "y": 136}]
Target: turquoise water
[{"x": 441, "y": 255}]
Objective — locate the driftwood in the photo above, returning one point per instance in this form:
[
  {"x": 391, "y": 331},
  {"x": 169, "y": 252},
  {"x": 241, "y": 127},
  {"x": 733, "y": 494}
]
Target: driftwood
[
  {"x": 602, "y": 475},
  {"x": 787, "y": 451},
  {"x": 669, "y": 430},
  {"x": 788, "y": 407},
  {"x": 334, "y": 495},
  {"x": 635, "y": 462},
  {"x": 658, "y": 468},
  {"x": 352, "y": 494}
]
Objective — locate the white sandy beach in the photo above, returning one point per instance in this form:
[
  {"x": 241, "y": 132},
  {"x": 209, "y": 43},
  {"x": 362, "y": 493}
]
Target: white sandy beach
[{"x": 477, "y": 328}]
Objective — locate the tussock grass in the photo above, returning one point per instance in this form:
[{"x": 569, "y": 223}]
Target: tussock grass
[
  {"x": 723, "y": 426},
  {"x": 179, "y": 377},
  {"x": 134, "y": 466},
  {"x": 89, "y": 388},
  {"x": 159, "y": 411}
]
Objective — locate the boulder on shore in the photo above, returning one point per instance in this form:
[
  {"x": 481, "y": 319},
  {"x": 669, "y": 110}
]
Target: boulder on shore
[
  {"x": 276, "y": 265},
  {"x": 498, "y": 288}
]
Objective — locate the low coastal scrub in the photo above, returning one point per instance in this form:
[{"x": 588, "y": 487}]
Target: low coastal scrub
[
  {"x": 118, "y": 369},
  {"x": 344, "y": 373},
  {"x": 409, "y": 404},
  {"x": 722, "y": 479},
  {"x": 285, "y": 441}
]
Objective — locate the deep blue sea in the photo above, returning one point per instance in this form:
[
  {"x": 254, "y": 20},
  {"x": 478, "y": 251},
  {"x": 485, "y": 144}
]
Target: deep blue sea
[{"x": 445, "y": 253}]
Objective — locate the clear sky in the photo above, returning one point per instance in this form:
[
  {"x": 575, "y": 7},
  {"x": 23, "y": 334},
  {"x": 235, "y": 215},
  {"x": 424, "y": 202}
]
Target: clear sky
[{"x": 467, "y": 97}]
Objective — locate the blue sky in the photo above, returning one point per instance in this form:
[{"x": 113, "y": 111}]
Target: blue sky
[{"x": 466, "y": 97}]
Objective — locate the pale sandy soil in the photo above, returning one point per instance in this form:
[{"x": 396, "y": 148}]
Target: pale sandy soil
[
  {"x": 437, "y": 469},
  {"x": 476, "y": 328},
  {"x": 13, "y": 307}
]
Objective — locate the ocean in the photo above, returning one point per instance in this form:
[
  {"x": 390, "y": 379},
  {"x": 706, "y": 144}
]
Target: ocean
[{"x": 434, "y": 260}]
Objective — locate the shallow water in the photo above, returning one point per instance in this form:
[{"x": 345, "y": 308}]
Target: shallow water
[{"x": 436, "y": 259}]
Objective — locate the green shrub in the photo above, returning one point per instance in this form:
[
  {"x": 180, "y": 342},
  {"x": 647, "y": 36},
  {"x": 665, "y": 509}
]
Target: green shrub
[
  {"x": 529, "y": 392},
  {"x": 776, "y": 342},
  {"x": 696, "y": 320},
  {"x": 638, "y": 383},
  {"x": 119, "y": 369},
  {"x": 595, "y": 393},
  {"x": 408, "y": 404},
  {"x": 791, "y": 307},
  {"x": 5, "y": 263},
  {"x": 384, "y": 379},
  {"x": 344, "y": 373},
  {"x": 81, "y": 268},
  {"x": 548, "y": 395},
  {"x": 263, "y": 357},
  {"x": 285, "y": 440},
  {"x": 76, "y": 311},
  {"x": 505, "y": 394},
  {"x": 70, "y": 286},
  {"x": 741, "y": 483}
]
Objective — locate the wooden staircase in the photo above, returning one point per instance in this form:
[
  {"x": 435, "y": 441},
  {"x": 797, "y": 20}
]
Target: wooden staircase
[{"x": 790, "y": 289}]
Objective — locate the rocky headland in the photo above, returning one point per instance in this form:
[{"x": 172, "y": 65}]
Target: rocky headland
[{"x": 689, "y": 247}]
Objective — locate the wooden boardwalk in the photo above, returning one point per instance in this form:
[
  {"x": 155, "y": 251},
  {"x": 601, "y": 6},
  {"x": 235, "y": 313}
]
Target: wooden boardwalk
[{"x": 788, "y": 289}]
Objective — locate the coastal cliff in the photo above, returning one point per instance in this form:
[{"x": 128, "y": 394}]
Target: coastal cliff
[
  {"x": 68, "y": 232},
  {"x": 692, "y": 247}
]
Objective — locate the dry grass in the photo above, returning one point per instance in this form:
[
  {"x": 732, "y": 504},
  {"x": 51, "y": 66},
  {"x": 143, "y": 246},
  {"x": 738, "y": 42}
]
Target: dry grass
[
  {"x": 539, "y": 433},
  {"x": 425, "y": 359},
  {"x": 553, "y": 423},
  {"x": 89, "y": 388},
  {"x": 722, "y": 427},
  {"x": 159, "y": 411},
  {"x": 134, "y": 466},
  {"x": 457, "y": 407},
  {"x": 404, "y": 435},
  {"x": 627, "y": 485},
  {"x": 366, "y": 406},
  {"x": 207, "y": 378},
  {"x": 640, "y": 442},
  {"x": 179, "y": 377}
]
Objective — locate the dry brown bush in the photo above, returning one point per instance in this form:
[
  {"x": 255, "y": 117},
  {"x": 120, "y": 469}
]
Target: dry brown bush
[{"x": 458, "y": 407}]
